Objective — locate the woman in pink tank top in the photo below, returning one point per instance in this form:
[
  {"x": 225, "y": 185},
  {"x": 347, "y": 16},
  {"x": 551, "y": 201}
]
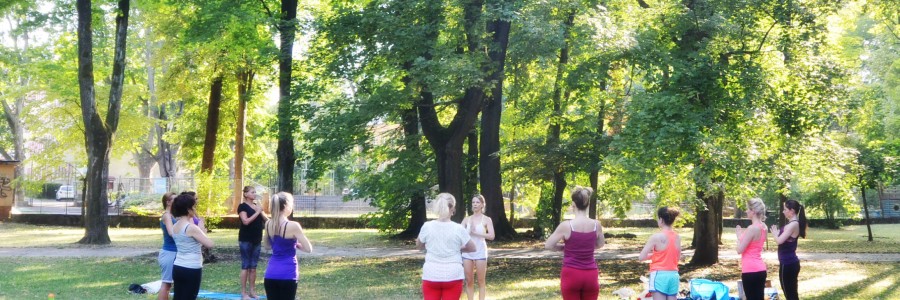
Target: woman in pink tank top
[
  {"x": 750, "y": 246},
  {"x": 579, "y": 278}
]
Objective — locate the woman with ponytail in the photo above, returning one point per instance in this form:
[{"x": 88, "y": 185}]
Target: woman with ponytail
[
  {"x": 284, "y": 237},
  {"x": 579, "y": 278},
  {"x": 443, "y": 241},
  {"x": 789, "y": 263}
]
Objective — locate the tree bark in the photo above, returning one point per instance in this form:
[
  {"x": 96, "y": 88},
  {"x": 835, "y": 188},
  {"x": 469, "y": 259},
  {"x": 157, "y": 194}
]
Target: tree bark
[
  {"x": 489, "y": 161},
  {"x": 417, "y": 209},
  {"x": 245, "y": 86},
  {"x": 98, "y": 136},
  {"x": 285, "y": 152},
  {"x": 553, "y": 137},
  {"x": 866, "y": 208},
  {"x": 212, "y": 125},
  {"x": 707, "y": 231},
  {"x": 471, "y": 185}
]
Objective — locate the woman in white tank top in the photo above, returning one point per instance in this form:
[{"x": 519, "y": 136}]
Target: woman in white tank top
[{"x": 480, "y": 228}]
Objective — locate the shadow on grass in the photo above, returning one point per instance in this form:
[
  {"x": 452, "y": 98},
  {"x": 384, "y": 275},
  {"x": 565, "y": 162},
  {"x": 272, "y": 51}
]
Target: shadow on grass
[{"x": 855, "y": 290}]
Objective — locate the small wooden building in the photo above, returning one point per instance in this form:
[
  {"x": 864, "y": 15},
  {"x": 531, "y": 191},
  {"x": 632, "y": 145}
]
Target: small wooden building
[{"x": 890, "y": 203}]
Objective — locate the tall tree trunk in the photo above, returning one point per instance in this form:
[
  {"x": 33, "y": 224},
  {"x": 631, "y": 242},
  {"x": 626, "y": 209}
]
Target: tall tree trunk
[
  {"x": 212, "y": 125},
  {"x": 285, "y": 152},
  {"x": 447, "y": 141},
  {"x": 98, "y": 136},
  {"x": 862, "y": 189},
  {"x": 553, "y": 137},
  {"x": 601, "y": 153},
  {"x": 416, "y": 206},
  {"x": 245, "y": 86},
  {"x": 489, "y": 163},
  {"x": 470, "y": 188},
  {"x": 707, "y": 229},
  {"x": 165, "y": 151}
]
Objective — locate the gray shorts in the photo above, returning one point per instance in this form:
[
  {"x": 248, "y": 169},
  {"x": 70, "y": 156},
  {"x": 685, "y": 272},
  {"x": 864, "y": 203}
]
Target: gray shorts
[{"x": 166, "y": 260}]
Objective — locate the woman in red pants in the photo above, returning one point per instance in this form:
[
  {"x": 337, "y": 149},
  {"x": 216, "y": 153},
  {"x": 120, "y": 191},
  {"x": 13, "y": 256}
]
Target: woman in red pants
[{"x": 582, "y": 235}]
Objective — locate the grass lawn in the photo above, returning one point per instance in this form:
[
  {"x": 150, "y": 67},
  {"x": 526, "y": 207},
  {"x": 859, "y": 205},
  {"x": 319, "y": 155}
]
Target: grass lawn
[{"x": 398, "y": 278}]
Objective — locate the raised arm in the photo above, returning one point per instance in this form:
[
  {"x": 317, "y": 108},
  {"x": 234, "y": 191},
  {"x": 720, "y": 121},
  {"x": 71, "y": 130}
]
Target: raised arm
[
  {"x": 469, "y": 247},
  {"x": 744, "y": 239},
  {"x": 789, "y": 230},
  {"x": 167, "y": 220},
  {"x": 197, "y": 233},
  {"x": 648, "y": 248},
  {"x": 305, "y": 244},
  {"x": 601, "y": 240},
  {"x": 558, "y": 235}
]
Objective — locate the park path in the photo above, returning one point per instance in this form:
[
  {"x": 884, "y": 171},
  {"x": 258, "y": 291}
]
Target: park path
[{"x": 519, "y": 253}]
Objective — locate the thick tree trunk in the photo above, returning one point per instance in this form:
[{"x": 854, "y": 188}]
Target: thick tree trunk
[
  {"x": 489, "y": 161},
  {"x": 553, "y": 137},
  {"x": 212, "y": 125},
  {"x": 285, "y": 152},
  {"x": 245, "y": 86},
  {"x": 417, "y": 209},
  {"x": 165, "y": 151},
  {"x": 449, "y": 159},
  {"x": 707, "y": 229},
  {"x": 98, "y": 136}
]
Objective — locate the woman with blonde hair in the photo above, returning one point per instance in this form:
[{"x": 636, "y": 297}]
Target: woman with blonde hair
[
  {"x": 249, "y": 240},
  {"x": 480, "y": 228},
  {"x": 284, "y": 237},
  {"x": 444, "y": 242},
  {"x": 579, "y": 278},
  {"x": 750, "y": 246}
]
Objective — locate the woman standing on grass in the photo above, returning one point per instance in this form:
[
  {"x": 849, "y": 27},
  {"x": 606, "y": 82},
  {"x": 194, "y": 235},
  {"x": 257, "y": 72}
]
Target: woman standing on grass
[
  {"x": 750, "y": 246},
  {"x": 663, "y": 249},
  {"x": 249, "y": 239},
  {"x": 789, "y": 263},
  {"x": 284, "y": 237},
  {"x": 579, "y": 278},
  {"x": 443, "y": 241},
  {"x": 187, "y": 272},
  {"x": 480, "y": 228},
  {"x": 166, "y": 258}
]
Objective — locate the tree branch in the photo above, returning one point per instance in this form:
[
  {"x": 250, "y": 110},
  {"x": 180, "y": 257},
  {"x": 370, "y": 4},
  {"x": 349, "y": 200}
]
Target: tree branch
[
  {"x": 643, "y": 4},
  {"x": 268, "y": 11},
  {"x": 5, "y": 154}
]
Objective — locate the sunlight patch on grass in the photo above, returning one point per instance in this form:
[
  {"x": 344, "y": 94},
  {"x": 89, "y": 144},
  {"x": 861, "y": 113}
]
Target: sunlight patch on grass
[
  {"x": 835, "y": 279},
  {"x": 537, "y": 283},
  {"x": 97, "y": 284}
]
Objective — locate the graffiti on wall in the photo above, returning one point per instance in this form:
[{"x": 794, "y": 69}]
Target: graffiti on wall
[{"x": 5, "y": 186}]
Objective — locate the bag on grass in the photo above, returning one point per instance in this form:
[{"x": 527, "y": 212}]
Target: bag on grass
[
  {"x": 135, "y": 288},
  {"x": 705, "y": 289}
]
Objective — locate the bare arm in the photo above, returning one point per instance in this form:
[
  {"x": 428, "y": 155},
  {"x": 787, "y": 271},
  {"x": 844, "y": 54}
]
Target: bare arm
[
  {"x": 469, "y": 247},
  {"x": 601, "y": 240},
  {"x": 489, "y": 234},
  {"x": 266, "y": 242},
  {"x": 197, "y": 233},
  {"x": 648, "y": 248},
  {"x": 305, "y": 244},
  {"x": 745, "y": 239},
  {"x": 558, "y": 235},
  {"x": 167, "y": 220},
  {"x": 788, "y": 232}
]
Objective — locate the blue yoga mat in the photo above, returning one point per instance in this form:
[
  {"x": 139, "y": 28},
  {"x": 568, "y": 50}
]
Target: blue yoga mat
[{"x": 224, "y": 296}]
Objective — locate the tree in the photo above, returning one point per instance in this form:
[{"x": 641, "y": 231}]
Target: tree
[
  {"x": 99, "y": 133},
  {"x": 286, "y": 125}
]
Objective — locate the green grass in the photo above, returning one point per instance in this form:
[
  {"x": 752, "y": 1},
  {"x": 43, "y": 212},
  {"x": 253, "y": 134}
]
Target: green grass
[{"x": 398, "y": 278}]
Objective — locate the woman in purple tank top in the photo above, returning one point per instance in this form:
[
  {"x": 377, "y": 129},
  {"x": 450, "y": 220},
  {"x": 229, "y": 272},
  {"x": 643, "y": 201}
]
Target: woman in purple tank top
[
  {"x": 284, "y": 238},
  {"x": 579, "y": 278},
  {"x": 788, "y": 262}
]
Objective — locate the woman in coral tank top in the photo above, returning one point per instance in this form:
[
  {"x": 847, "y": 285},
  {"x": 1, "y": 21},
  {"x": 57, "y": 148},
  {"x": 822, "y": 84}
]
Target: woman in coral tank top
[
  {"x": 663, "y": 249},
  {"x": 750, "y": 246}
]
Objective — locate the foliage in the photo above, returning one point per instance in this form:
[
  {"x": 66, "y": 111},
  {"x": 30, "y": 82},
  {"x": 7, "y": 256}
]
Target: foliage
[{"x": 211, "y": 195}]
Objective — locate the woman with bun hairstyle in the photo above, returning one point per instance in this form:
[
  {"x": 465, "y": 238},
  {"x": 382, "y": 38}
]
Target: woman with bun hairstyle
[
  {"x": 444, "y": 241},
  {"x": 663, "y": 249},
  {"x": 579, "y": 278}
]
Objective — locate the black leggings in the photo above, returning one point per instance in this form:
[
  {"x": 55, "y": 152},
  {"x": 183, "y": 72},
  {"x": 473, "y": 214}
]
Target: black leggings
[
  {"x": 186, "y": 282},
  {"x": 788, "y": 276},
  {"x": 754, "y": 285},
  {"x": 278, "y": 289}
]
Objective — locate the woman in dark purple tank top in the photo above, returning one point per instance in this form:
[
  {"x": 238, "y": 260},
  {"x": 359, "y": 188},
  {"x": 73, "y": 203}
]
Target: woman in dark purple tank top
[
  {"x": 789, "y": 263},
  {"x": 285, "y": 238},
  {"x": 579, "y": 278}
]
